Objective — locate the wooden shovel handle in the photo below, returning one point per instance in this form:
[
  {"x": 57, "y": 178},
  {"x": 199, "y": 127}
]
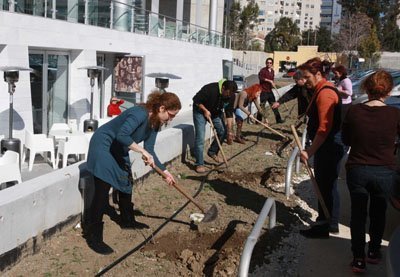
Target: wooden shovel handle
[
  {"x": 271, "y": 129},
  {"x": 219, "y": 143},
  {"x": 179, "y": 188},
  {"x": 311, "y": 174}
]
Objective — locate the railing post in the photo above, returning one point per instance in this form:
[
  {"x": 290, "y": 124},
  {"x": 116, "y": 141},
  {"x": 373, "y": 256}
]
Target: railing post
[
  {"x": 112, "y": 15},
  {"x": 86, "y": 12},
  {"x": 269, "y": 209},
  {"x": 289, "y": 169}
]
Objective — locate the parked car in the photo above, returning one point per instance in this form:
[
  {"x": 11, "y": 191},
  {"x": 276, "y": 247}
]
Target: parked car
[
  {"x": 290, "y": 73},
  {"x": 239, "y": 79}
]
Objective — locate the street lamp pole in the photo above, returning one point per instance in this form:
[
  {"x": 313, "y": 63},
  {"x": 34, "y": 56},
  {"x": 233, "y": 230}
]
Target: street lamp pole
[{"x": 244, "y": 53}]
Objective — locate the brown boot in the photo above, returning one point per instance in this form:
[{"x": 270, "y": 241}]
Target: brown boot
[{"x": 238, "y": 137}]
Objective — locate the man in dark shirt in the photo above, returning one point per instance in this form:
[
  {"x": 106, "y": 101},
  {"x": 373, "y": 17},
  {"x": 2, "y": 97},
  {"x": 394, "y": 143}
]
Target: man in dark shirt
[
  {"x": 298, "y": 91},
  {"x": 209, "y": 104},
  {"x": 266, "y": 77}
]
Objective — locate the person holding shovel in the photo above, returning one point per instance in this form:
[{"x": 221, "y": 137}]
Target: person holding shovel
[
  {"x": 209, "y": 104},
  {"x": 298, "y": 91},
  {"x": 242, "y": 100},
  {"x": 266, "y": 77},
  {"x": 323, "y": 129},
  {"x": 370, "y": 129},
  {"x": 108, "y": 161}
]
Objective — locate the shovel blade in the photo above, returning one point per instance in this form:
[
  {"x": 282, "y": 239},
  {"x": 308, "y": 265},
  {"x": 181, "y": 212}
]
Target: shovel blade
[{"x": 211, "y": 214}]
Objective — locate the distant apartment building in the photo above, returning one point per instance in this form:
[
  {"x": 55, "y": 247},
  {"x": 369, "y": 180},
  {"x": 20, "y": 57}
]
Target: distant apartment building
[
  {"x": 331, "y": 12},
  {"x": 305, "y": 13}
]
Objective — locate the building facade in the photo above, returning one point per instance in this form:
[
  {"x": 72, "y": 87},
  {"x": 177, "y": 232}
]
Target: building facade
[
  {"x": 306, "y": 14},
  {"x": 58, "y": 38},
  {"x": 331, "y": 13}
]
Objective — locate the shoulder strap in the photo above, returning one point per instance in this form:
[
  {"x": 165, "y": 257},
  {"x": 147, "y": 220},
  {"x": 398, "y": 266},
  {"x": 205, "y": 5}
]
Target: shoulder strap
[{"x": 314, "y": 96}]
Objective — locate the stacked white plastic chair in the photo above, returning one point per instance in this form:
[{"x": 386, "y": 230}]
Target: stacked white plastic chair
[
  {"x": 77, "y": 145},
  {"x": 39, "y": 143},
  {"x": 9, "y": 167}
]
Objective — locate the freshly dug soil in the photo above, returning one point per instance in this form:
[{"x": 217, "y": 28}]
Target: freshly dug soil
[{"x": 181, "y": 248}]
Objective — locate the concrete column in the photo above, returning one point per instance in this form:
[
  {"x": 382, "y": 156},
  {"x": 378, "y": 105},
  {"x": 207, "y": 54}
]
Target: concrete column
[
  {"x": 121, "y": 15},
  {"x": 198, "y": 12},
  {"x": 212, "y": 26}
]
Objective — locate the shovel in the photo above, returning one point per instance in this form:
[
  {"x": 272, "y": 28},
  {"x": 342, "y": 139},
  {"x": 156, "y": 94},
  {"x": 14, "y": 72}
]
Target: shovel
[
  {"x": 311, "y": 174},
  {"x": 219, "y": 143},
  {"x": 209, "y": 215}
]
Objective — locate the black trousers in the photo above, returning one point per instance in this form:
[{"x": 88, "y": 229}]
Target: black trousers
[
  {"x": 326, "y": 167},
  {"x": 270, "y": 97},
  {"x": 101, "y": 201}
]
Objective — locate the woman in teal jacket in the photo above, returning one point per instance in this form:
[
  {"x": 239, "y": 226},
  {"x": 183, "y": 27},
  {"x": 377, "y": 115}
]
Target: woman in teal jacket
[{"x": 108, "y": 160}]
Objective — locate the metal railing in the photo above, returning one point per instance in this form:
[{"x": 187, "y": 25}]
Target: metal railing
[
  {"x": 294, "y": 157},
  {"x": 269, "y": 209},
  {"x": 120, "y": 16}
]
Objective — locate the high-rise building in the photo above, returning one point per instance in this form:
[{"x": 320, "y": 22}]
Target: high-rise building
[
  {"x": 305, "y": 13},
  {"x": 331, "y": 12}
]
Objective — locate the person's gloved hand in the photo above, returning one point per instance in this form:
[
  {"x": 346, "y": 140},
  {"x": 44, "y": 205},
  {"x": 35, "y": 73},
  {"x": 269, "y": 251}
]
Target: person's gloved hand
[{"x": 169, "y": 179}]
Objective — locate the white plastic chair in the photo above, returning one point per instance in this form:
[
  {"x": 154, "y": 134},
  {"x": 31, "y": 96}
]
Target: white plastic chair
[
  {"x": 38, "y": 143},
  {"x": 77, "y": 145},
  {"x": 9, "y": 167}
]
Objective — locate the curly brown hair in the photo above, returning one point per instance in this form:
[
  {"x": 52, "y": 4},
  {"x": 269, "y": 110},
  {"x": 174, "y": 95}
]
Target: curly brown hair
[
  {"x": 378, "y": 84},
  {"x": 157, "y": 99}
]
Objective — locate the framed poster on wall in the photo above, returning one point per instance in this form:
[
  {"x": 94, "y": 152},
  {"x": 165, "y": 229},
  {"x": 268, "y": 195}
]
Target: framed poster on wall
[{"x": 129, "y": 77}]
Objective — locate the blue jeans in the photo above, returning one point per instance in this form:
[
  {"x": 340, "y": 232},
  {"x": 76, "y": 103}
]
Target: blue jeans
[
  {"x": 199, "y": 122},
  {"x": 365, "y": 182}
]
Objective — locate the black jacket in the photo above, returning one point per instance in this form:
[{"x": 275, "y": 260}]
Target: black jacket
[
  {"x": 303, "y": 97},
  {"x": 210, "y": 96}
]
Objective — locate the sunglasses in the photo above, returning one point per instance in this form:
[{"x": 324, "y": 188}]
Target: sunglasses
[{"x": 269, "y": 63}]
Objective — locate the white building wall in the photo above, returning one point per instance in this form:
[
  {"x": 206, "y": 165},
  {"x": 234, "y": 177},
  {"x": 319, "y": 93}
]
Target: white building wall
[{"x": 196, "y": 64}]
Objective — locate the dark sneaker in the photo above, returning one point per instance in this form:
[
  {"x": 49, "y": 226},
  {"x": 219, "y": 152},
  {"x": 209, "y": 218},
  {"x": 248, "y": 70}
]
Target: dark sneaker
[
  {"x": 279, "y": 121},
  {"x": 374, "y": 257},
  {"x": 316, "y": 232},
  {"x": 358, "y": 265},
  {"x": 334, "y": 229}
]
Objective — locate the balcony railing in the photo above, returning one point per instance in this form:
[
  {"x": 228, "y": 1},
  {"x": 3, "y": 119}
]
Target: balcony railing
[{"x": 118, "y": 16}]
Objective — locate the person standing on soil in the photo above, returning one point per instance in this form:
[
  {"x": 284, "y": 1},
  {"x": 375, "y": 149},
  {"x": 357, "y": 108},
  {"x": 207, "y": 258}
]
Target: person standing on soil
[
  {"x": 370, "y": 129},
  {"x": 108, "y": 161},
  {"x": 266, "y": 77},
  {"x": 242, "y": 100},
  {"x": 323, "y": 129},
  {"x": 298, "y": 91},
  {"x": 208, "y": 105}
]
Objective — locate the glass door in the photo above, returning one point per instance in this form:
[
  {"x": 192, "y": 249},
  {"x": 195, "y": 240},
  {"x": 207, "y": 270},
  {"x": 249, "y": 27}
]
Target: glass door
[{"x": 49, "y": 89}]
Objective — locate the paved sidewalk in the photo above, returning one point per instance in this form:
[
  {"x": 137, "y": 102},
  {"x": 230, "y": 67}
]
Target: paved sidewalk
[{"x": 332, "y": 257}]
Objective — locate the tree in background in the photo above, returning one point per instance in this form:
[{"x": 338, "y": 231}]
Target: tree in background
[
  {"x": 369, "y": 48},
  {"x": 353, "y": 29},
  {"x": 241, "y": 23},
  {"x": 384, "y": 14},
  {"x": 284, "y": 37},
  {"x": 321, "y": 37}
]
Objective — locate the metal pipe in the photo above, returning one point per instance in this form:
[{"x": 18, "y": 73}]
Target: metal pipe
[
  {"x": 289, "y": 168},
  {"x": 303, "y": 143},
  {"x": 10, "y": 118},
  {"x": 91, "y": 97},
  {"x": 269, "y": 209}
]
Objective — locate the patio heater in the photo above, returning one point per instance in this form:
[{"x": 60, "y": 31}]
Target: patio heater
[
  {"x": 162, "y": 80},
  {"x": 93, "y": 72},
  {"x": 11, "y": 76}
]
